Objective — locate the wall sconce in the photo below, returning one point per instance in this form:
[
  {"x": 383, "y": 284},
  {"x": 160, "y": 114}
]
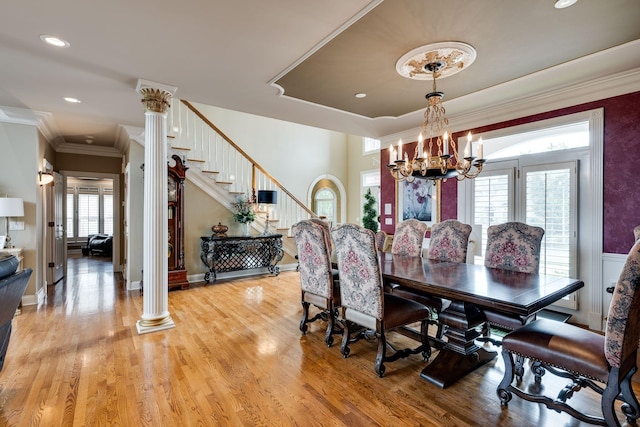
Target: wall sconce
[
  {"x": 44, "y": 178},
  {"x": 10, "y": 207}
]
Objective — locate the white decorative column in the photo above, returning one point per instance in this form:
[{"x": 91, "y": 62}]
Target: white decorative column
[{"x": 155, "y": 316}]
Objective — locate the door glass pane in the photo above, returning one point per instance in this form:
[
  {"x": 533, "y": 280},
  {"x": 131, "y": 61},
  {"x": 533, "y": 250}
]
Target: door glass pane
[
  {"x": 548, "y": 205},
  {"x": 491, "y": 203}
]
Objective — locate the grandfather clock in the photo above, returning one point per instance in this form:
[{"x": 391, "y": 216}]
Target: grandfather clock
[{"x": 175, "y": 183}]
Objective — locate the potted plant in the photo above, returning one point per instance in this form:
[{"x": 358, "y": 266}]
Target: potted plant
[
  {"x": 370, "y": 217},
  {"x": 243, "y": 212}
]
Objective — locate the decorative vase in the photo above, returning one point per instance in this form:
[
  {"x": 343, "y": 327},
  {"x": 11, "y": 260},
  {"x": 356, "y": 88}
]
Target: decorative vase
[
  {"x": 245, "y": 228},
  {"x": 220, "y": 230}
]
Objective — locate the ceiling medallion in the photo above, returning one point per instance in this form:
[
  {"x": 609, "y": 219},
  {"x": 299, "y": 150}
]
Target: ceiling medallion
[{"x": 453, "y": 57}]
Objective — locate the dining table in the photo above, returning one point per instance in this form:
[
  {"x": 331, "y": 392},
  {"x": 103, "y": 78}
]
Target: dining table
[{"x": 471, "y": 289}]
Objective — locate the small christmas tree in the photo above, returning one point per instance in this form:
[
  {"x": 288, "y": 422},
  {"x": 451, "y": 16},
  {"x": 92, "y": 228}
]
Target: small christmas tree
[{"x": 370, "y": 217}]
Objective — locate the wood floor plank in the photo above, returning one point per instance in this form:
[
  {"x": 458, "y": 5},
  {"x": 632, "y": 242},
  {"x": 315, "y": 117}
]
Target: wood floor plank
[{"x": 235, "y": 358}]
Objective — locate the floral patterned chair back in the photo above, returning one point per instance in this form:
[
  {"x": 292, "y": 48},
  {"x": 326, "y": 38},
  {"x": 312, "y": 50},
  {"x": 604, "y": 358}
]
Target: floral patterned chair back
[
  {"x": 623, "y": 321},
  {"x": 360, "y": 275},
  {"x": 381, "y": 238},
  {"x": 514, "y": 246},
  {"x": 314, "y": 256},
  {"x": 408, "y": 238},
  {"x": 449, "y": 241}
]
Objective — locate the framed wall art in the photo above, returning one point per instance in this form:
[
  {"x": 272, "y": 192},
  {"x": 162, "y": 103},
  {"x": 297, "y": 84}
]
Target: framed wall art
[{"x": 419, "y": 199}]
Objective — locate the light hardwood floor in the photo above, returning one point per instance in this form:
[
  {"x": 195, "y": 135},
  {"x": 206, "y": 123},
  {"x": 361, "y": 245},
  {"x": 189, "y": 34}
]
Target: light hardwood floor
[{"x": 235, "y": 358}]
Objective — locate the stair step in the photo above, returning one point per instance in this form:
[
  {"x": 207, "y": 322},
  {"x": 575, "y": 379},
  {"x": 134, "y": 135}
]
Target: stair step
[
  {"x": 196, "y": 161},
  {"x": 224, "y": 183},
  {"x": 236, "y": 192},
  {"x": 211, "y": 172},
  {"x": 181, "y": 148}
]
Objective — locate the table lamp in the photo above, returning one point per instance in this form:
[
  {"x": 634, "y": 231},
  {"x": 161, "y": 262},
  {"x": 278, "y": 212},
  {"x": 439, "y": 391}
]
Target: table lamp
[
  {"x": 267, "y": 197},
  {"x": 10, "y": 207}
]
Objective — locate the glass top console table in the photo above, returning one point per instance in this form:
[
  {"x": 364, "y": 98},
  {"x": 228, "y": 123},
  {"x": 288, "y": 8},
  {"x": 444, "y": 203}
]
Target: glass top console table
[{"x": 233, "y": 253}]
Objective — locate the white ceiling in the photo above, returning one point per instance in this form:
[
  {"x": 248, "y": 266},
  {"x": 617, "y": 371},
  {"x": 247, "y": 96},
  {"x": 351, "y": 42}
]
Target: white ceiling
[{"x": 241, "y": 55}]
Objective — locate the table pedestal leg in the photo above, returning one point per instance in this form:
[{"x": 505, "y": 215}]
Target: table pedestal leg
[{"x": 460, "y": 355}]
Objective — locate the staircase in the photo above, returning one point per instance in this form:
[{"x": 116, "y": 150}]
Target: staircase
[{"x": 220, "y": 168}]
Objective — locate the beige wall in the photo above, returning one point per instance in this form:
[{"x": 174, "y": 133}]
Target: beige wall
[
  {"x": 134, "y": 243},
  {"x": 201, "y": 213},
  {"x": 21, "y": 153}
]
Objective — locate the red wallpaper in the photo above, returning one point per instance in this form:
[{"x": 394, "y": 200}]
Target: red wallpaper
[{"x": 621, "y": 158}]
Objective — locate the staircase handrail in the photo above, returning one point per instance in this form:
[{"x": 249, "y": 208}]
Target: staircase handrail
[{"x": 250, "y": 159}]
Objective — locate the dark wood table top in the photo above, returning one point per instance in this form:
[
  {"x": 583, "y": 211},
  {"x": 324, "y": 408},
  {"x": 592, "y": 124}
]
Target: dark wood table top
[{"x": 506, "y": 291}]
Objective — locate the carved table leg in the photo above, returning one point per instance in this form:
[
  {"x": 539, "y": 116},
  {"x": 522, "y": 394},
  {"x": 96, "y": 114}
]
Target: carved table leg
[{"x": 460, "y": 355}]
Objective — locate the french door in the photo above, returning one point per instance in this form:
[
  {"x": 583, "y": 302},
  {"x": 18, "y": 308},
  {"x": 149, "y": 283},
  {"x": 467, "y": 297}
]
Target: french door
[{"x": 540, "y": 194}]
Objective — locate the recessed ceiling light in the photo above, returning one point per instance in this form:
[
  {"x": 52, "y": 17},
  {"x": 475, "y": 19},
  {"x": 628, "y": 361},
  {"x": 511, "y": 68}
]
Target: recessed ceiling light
[
  {"x": 360, "y": 95},
  {"x": 561, "y": 4},
  {"x": 72, "y": 100},
  {"x": 54, "y": 41}
]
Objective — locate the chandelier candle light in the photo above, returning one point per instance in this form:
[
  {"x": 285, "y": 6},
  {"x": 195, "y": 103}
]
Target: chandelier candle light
[{"x": 428, "y": 63}]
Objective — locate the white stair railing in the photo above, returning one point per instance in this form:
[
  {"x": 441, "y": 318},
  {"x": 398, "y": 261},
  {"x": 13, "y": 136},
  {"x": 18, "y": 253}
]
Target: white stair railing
[{"x": 226, "y": 167}]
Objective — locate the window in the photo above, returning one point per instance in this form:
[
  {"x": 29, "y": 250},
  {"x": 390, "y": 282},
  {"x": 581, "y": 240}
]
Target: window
[
  {"x": 71, "y": 231},
  {"x": 370, "y": 180},
  {"x": 326, "y": 204},
  {"x": 88, "y": 212},
  {"x": 107, "y": 211},
  {"x": 89, "y": 208},
  {"x": 549, "y": 196},
  {"x": 535, "y": 189},
  {"x": 369, "y": 145}
]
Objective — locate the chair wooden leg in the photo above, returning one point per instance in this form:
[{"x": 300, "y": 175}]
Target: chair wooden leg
[
  {"x": 630, "y": 408},
  {"x": 609, "y": 397},
  {"x": 503, "y": 388},
  {"x": 424, "y": 339},
  {"x": 331, "y": 325},
  {"x": 344, "y": 346},
  {"x": 380, "y": 357},
  {"x": 305, "y": 317}
]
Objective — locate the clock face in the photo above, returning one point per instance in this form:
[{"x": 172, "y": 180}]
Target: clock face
[{"x": 172, "y": 194}]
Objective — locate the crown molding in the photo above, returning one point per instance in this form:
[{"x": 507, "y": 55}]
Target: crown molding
[{"x": 88, "y": 150}]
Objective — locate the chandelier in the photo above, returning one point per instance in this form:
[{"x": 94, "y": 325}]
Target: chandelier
[{"x": 436, "y": 155}]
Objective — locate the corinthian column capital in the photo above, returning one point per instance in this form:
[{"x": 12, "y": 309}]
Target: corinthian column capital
[
  {"x": 156, "y": 96},
  {"x": 155, "y": 100}
]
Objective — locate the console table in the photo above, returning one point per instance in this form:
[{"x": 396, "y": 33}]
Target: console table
[{"x": 233, "y": 253}]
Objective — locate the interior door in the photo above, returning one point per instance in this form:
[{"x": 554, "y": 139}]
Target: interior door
[{"x": 55, "y": 230}]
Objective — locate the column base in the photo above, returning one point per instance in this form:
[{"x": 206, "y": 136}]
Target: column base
[{"x": 147, "y": 326}]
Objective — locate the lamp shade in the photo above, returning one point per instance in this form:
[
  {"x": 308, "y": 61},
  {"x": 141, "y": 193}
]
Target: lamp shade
[
  {"x": 11, "y": 206},
  {"x": 268, "y": 197}
]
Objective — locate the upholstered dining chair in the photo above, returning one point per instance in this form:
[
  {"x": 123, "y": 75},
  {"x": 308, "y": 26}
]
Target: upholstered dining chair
[
  {"x": 319, "y": 282},
  {"x": 449, "y": 241},
  {"x": 364, "y": 301},
  {"x": 381, "y": 239},
  {"x": 511, "y": 246},
  {"x": 408, "y": 237},
  {"x": 585, "y": 357}
]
